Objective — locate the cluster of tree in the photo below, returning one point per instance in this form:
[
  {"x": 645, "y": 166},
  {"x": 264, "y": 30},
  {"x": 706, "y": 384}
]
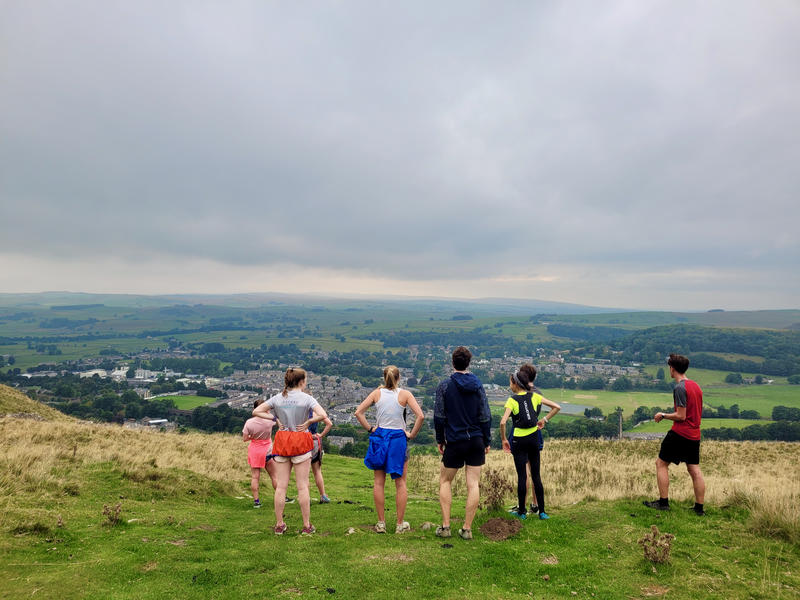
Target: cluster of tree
[
  {"x": 784, "y": 431},
  {"x": 582, "y": 428},
  {"x": 221, "y": 418},
  {"x": 785, "y": 413},
  {"x": 794, "y": 379},
  {"x": 729, "y": 413},
  {"x": 778, "y": 348},
  {"x": 737, "y": 379},
  {"x": 115, "y": 408},
  {"x": 198, "y": 366}
]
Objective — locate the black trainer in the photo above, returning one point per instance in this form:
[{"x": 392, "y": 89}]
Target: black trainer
[
  {"x": 656, "y": 504},
  {"x": 534, "y": 509},
  {"x": 698, "y": 511}
]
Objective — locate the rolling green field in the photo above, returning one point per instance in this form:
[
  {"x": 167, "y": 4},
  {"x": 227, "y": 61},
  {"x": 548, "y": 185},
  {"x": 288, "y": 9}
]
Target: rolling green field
[
  {"x": 665, "y": 425},
  {"x": 190, "y": 402}
]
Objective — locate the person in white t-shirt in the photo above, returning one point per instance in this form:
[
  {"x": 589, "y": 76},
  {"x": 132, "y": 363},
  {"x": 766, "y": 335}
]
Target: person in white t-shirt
[{"x": 293, "y": 443}]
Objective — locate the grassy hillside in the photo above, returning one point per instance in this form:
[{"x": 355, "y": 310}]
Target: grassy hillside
[
  {"x": 14, "y": 402},
  {"x": 186, "y": 525}
]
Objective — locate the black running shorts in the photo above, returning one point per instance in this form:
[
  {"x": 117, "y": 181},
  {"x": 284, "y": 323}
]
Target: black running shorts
[
  {"x": 677, "y": 449},
  {"x": 472, "y": 452}
]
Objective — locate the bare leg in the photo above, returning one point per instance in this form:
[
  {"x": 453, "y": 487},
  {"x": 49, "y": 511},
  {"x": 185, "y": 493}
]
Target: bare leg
[
  {"x": 662, "y": 475},
  {"x": 282, "y": 472},
  {"x": 301, "y": 478},
  {"x": 698, "y": 482},
  {"x": 401, "y": 497},
  {"x": 446, "y": 477},
  {"x": 473, "y": 494},
  {"x": 379, "y": 494},
  {"x": 316, "y": 468},
  {"x": 270, "y": 468},
  {"x": 255, "y": 476}
]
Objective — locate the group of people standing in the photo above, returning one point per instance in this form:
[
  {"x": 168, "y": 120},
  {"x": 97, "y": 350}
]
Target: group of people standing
[{"x": 463, "y": 423}]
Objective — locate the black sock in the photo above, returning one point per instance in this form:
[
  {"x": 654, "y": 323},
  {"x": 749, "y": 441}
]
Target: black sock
[
  {"x": 698, "y": 506},
  {"x": 663, "y": 501}
]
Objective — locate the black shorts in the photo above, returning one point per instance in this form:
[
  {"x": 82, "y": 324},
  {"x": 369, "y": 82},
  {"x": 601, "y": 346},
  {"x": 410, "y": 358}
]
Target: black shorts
[
  {"x": 472, "y": 452},
  {"x": 677, "y": 449}
]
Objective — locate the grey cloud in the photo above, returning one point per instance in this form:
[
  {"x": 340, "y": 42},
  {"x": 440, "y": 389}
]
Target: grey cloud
[{"x": 454, "y": 141}]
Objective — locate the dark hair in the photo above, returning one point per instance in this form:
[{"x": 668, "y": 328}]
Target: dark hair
[
  {"x": 258, "y": 402},
  {"x": 293, "y": 377},
  {"x": 530, "y": 371},
  {"x": 678, "y": 362},
  {"x": 391, "y": 375},
  {"x": 522, "y": 378},
  {"x": 461, "y": 358}
]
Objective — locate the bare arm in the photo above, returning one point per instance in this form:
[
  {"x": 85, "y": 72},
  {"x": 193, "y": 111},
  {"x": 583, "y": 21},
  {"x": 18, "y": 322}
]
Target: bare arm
[
  {"x": 503, "y": 421},
  {"x": 328, "y": 425},
  {"x": 412, "y": 403},
  {"x": 362, "y": 408},
  {"x": 554, "y": 408},
  {"x": 677, "y": 416}
]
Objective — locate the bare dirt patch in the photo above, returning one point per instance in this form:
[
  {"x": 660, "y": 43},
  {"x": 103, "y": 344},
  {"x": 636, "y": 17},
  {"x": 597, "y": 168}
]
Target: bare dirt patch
[
  {"x": 152, "y": 565},
  {"x": 177, "y": 542},
  {"x": 204, "y": 528},
  {"x": 550, "y": 560},
  {"x": 654, "y": 590},
  {"x": 500, "y": 529},
  {"x": 400, "y": 558}
]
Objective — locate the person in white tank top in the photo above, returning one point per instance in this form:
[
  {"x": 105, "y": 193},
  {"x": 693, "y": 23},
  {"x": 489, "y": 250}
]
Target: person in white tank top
[{"x": 390, "y": 405}]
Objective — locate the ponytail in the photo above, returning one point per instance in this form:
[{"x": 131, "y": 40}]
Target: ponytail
[
  {"x": 292, "y": 379},
  {"x": 391, "y": 375}
]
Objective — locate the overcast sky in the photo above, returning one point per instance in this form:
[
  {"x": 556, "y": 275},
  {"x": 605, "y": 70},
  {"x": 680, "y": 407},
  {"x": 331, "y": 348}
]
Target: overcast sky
[{"x": 630, "y": 154}]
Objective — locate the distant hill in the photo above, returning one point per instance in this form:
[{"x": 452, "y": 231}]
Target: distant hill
[{"x": 16, "y": 403}]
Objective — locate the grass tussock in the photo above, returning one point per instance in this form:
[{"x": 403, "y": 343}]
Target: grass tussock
[{"x": 758, "y": 476}]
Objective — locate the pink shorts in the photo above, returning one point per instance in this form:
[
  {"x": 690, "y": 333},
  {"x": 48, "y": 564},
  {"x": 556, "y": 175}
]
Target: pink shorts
[{"x": 257, "y": 453}]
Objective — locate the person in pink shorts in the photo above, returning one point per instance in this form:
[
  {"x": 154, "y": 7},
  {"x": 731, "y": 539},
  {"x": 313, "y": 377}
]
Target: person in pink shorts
[{"x": 258, "y": 431}]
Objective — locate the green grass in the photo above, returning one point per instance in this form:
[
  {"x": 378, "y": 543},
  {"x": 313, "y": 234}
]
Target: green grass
[
  {"x": 190, "y": 402},
  {"x": 183, "y": 536},
  {"x": 664, "y": 426}
]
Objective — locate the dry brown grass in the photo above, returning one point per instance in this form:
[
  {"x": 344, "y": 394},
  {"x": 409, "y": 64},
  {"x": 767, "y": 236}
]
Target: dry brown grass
[
  {"x": 15, "y": 402},
  {"x": 41, "y": 456},
  {"x": 762, "y": 476}
]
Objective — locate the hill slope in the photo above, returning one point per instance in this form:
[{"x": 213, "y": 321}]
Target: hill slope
[
  {"x": 96, "y": 511},
  {"x": 13, "y": 402}
]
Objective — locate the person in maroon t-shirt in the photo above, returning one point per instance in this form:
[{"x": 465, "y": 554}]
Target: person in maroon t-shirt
[{"x": 682, "y": 442}]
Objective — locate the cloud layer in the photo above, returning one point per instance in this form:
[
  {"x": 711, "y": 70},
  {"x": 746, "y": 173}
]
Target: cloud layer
[{"x": 596, "y": 153}]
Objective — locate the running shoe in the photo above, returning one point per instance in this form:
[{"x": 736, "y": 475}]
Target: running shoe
[
  {"x": 465, "y": 534},
  {"x": 543, "y": 515},
  {"x": 289, "y": 500},
  {"x": 310, "y": 530},
  {"x": 698, "y": 511},
  {"x": 280, "y": 529},
  {"x": 656, "y": 504},
  {"x": 256, "y": 504},
  {"x": 443, "y": 532},
  {"x": 534, "y": 509},
  {"x": 402, "y": 527},
  {"x": 380, "y": 527},
  {"x": 324, "y": 499},
  {"x": 519, "y": 515}
]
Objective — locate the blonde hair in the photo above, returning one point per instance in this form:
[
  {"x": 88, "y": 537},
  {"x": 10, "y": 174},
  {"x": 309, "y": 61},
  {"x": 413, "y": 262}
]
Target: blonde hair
[
  {"x": 293, "y": 377},
  {"x": 391, "y": 375}
]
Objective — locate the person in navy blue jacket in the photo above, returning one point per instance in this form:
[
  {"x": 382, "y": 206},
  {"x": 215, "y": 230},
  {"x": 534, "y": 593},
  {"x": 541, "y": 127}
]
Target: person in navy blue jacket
[{"x": 463, "y": 426}]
